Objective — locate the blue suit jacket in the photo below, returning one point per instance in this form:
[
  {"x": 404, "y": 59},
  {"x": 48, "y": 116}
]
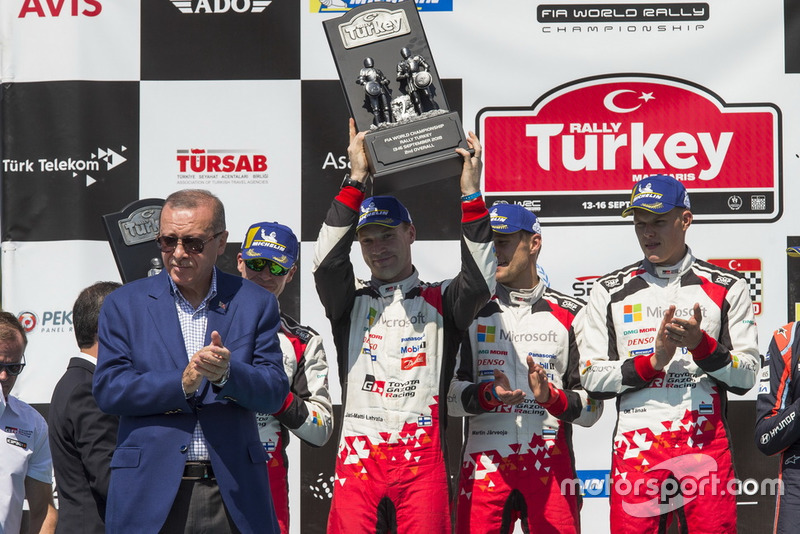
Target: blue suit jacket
[{"x": 140, "y": 363}]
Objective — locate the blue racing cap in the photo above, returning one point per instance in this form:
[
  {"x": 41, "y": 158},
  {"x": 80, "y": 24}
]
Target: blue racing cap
[
  {"x": 383, "y": 210},
  {"x": 510, "y": 218},
  {"x": 658, "y": 194},
  {"x": 271, "y": 241}
]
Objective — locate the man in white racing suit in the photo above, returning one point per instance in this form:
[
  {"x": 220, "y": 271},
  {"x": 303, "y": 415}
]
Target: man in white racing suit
[
  {"x": 269, "y": 258},
  {"x": 392, "y": 333},
  {"x": 669, "y": 336},
  {"x": 517, "y": 382}
]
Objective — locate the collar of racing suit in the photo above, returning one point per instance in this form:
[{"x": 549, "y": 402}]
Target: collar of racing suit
[
  {"x": 670, "y": 271},
  {"x": 520, "y": 297},
  {"x": 403, "y": 286}
]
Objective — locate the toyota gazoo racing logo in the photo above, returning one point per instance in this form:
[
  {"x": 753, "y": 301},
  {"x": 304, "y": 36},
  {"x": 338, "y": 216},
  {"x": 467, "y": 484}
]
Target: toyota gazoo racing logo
[
  {"x": 582, "y": 147},
  {"x": 220, "y": 6}
]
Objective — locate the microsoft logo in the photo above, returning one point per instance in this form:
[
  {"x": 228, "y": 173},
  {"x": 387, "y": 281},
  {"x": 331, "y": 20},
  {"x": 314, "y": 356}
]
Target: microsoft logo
[
  {"x": 485, "y": 333},
  {"x": 632, "y": 313}
]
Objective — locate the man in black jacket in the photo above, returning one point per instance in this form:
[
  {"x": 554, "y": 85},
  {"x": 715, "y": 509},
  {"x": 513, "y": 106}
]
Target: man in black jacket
[{"x": 82, "y": 438}]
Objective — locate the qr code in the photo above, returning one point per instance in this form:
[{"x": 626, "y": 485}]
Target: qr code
[{"x": 758, "y": 202}]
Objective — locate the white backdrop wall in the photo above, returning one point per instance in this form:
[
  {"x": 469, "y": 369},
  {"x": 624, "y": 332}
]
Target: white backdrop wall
[{"x": 101, "y": 98}]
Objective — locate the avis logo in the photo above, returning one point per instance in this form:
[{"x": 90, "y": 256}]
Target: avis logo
[
  {"x": 56, "y": 8},
  {"x": 220, "y": 6}
]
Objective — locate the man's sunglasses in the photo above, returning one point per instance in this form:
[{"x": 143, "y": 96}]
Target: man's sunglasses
[
  {"x": 13, "y": 368},
  {"x": 192, "y": 245},
  {"x": 259, "y": 264}
]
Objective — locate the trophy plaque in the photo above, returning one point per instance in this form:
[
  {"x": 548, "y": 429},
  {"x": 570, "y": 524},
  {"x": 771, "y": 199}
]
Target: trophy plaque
[
  {"x": 394, "y": 92},
  {"x": 131, "y": 234}
]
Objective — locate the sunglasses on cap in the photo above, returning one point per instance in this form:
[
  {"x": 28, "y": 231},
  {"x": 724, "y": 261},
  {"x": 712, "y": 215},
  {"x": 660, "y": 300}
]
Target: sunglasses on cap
[
  {"x": 259, "y": 264},
  {"x": 13, "y": 368},
  {"x": 192, "y": 245}
]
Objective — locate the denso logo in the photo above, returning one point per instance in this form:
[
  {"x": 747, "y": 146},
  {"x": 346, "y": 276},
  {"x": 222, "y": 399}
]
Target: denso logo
[
  {"x": 640, "y": 341},
  {"x": 491, "y": 361},
  {"x": 615, "y": 130},
  {"x": 57, "y": 8}
]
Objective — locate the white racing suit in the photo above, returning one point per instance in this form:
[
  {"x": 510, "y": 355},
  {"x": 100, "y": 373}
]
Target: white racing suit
[
  {"x": 391, "y": 340},
  {"x": 306, "y": 412},
  {"x": 671, "y": 453},
  {"x": 515, "y": 458}
]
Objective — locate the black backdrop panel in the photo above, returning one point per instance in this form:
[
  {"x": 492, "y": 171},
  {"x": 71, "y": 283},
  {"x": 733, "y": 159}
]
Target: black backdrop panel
[
  {"x": 74, "y": 141},
  {"x": 226, "y": 45}
]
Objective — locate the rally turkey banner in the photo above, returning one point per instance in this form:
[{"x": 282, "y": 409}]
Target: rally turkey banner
[{"x": 105, "y": 102}]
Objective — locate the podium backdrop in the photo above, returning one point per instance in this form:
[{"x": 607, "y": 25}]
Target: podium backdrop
[{"x": 105, "y": 102}]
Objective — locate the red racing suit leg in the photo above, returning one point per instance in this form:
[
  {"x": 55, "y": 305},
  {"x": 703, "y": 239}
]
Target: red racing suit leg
[
  {"x": 279, "y": 485},
  {"x": 393, "y": 497},
  {"x": 492, "y": 501}
]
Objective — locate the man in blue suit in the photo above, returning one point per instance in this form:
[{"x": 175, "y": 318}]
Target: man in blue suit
[{"x": 186, "y": 359}]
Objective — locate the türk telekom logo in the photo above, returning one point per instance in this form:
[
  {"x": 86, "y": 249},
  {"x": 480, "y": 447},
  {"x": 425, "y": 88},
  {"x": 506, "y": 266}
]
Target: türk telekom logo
[
  {"x": 600, "y": 136},
  {"x": 220, "y": 6},
  {"x": 100, "y": 160}
]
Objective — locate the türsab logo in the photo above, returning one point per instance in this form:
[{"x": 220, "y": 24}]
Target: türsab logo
[
  {"x": 220, "y": 6},
  {"x": 584, "y": 145},
  {"x": 221, "y": 166}
]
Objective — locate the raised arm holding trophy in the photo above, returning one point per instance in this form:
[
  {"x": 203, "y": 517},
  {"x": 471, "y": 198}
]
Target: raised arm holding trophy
[{"x": 412, "y": 135}]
